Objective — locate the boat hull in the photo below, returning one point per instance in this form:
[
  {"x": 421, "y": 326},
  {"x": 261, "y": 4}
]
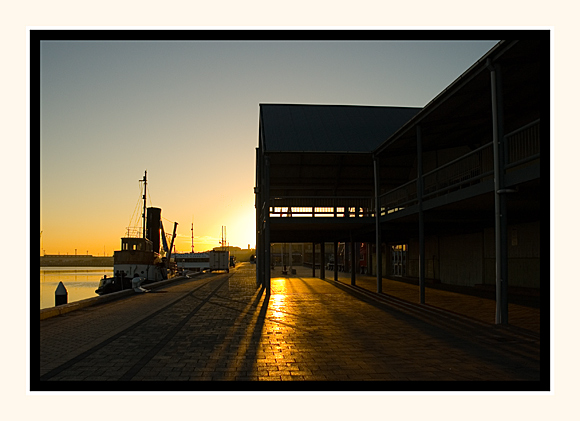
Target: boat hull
[{"x": 124, "y": 274}]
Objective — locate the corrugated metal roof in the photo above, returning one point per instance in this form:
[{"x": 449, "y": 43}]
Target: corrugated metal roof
[{"x": 329, "y": 128}]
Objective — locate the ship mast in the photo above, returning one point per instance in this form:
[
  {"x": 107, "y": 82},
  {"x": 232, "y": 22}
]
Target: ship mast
[{"x": 144, "y": 201}]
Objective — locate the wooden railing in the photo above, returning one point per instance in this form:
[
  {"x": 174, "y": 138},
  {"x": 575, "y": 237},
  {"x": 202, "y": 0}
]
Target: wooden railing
[
  {"x": 399, "y": 198},
  {"x": 522, "y": 145},
  {"x": 464, "y": 171},
  {"x": 316, "y": 207}
]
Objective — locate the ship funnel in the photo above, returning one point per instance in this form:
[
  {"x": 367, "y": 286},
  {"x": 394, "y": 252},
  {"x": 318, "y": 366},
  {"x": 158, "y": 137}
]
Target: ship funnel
[{"x": 153, "y": 226}]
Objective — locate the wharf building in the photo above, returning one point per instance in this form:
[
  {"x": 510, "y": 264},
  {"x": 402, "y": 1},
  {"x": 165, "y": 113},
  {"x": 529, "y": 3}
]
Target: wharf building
[{"x": 447, "y": 193}]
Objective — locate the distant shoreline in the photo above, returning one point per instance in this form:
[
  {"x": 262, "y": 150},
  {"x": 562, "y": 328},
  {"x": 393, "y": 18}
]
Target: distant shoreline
[{"x": 66, "y": 260}]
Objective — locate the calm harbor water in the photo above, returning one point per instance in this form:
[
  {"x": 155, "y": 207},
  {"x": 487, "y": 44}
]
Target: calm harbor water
[{"x": 80, "y": 282}]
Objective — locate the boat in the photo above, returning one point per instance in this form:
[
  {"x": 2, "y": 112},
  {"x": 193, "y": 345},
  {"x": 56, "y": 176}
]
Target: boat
[{"x": 139, "y": 261}]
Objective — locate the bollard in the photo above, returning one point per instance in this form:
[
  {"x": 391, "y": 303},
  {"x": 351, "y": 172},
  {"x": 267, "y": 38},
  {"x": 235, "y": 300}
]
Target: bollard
[{"x": 60, "y": 295}]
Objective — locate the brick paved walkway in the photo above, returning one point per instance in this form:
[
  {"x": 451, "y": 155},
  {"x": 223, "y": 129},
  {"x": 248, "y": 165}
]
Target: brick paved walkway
[
  {"x": 479, "y": 308},
  {"x": 220, "y": 327}
]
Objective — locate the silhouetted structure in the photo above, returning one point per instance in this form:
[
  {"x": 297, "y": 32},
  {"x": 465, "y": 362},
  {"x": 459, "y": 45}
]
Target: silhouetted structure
[{"x": 450, "y": 191}]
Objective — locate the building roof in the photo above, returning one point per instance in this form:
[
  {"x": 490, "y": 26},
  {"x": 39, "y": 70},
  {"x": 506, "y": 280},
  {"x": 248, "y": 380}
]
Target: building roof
[
  {"x": 454, "y": 118},
  {"x": 329, "y": 128}
]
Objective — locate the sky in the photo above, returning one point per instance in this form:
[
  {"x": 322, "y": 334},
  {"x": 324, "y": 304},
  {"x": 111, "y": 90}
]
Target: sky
[{"x": 187, "y": 112}]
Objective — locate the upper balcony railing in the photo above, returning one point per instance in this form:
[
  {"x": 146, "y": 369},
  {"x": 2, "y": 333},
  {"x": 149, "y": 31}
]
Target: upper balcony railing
[
  {"x": 464, "y": 171},
  {"x": 467, "y": 170},
  {"x": 316, "y": 206},
  {"x": 522, "y": 146},
  {"x": 399, "y": 198}
]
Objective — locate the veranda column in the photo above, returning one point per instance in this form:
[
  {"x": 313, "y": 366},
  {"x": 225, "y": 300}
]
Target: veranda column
[
  {"x": 353, "y": 264},
  {"x": 259, "y": 220},
  {"x": 267, "y": 259},
  {"x": 336, "y": 260},
  {"x": 322, "y": 261},
  {"x": 314, "y": 260},
  {"x": 378, "y": 239},
  {"x": 421, "y": 221},
  {"x": 290, "y": 260},
  {"x": 501, "y": 269}
]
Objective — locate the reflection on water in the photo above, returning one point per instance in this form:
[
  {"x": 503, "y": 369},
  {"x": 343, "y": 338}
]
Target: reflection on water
[{"x": 80, "y": 282}]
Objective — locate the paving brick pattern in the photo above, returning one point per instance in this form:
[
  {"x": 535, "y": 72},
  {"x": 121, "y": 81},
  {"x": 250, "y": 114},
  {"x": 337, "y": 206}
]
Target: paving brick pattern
[
  {"x": 220, "y": 327},
  {"x": 65, "y": 337},
  {"x": 479, "y": 308}
]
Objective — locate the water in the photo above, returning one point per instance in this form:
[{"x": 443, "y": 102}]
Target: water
[{"x": 80, "y": 282}]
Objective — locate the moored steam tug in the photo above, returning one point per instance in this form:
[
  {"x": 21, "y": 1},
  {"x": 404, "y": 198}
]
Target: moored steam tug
[{"x": 139, "y": 261}]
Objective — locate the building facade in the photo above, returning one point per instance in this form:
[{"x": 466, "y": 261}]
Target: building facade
[{"x": 449, "y": 193}]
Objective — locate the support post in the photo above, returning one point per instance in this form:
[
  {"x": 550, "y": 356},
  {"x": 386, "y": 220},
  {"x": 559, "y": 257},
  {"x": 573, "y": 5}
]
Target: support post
[
  {"x": 421, "y": 220},
  {"x": 259, "y": 282},
  {"x": 290, "y": 260},
  {"x": 353, "y": 260},
  {"x": 260, "y": 255},
  {"x": 314, "y": 260},
  {"x": 322, "y": 261},
  {"x": 267, "y": 251},
  {"x": 378, "y": 238},
  {"x": 501, "y": 269},
  {"x": 259, "y": 220},
  {"x": 336, "y": 260}
]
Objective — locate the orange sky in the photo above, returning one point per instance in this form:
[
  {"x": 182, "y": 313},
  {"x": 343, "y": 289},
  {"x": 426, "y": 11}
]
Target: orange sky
[{"x": 187, "y": 112}]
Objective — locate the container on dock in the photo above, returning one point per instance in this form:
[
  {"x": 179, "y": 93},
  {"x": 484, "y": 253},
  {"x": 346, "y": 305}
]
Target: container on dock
[{"x": 219, "y": 260}]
